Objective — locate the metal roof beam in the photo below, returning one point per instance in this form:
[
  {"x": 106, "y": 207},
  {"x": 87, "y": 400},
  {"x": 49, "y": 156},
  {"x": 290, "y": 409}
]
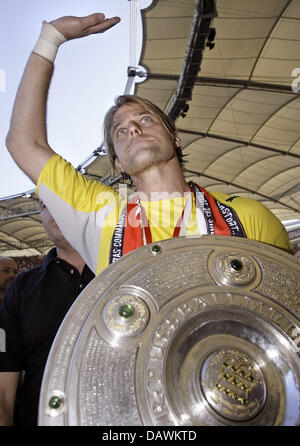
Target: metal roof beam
[
  {"x": 204, "y": 13},
  {"x": 238, "y": 141},
  {"x": 224, "y": 82},
  {"x": 13, "y": 215}
]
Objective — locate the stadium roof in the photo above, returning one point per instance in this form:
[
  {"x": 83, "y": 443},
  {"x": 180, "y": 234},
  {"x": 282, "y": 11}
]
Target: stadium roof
[{"x": 228, "y": 72}]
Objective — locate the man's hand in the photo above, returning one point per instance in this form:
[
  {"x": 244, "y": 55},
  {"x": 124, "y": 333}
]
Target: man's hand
[
  {"x": 74, "y": 27},
  {"x": 27, "y": 137}
]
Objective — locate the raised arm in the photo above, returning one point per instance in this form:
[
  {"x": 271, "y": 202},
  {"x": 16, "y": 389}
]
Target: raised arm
[{"x": 27, "y": 137}]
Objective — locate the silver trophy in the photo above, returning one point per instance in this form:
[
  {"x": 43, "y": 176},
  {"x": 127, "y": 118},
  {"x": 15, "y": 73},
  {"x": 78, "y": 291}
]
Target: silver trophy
[{"x": 192, "y": 331}]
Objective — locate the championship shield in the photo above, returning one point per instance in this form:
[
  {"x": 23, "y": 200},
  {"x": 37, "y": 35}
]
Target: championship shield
[{"x": 191, "y": 331}]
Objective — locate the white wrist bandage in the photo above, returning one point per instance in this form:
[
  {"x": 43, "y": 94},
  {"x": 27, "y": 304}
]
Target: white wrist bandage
[{"x": 48, "y": 42}]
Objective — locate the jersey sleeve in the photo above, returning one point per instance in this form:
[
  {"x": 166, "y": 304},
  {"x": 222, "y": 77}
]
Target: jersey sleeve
[
  {"x": 265, "y": 226},
  {"x": 79, "y": 206},
  {"x": 258, "y": 221}
]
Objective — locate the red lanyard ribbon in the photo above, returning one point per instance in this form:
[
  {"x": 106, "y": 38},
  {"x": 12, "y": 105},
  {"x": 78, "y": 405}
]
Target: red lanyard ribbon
[{"x": 133, "y": 229}]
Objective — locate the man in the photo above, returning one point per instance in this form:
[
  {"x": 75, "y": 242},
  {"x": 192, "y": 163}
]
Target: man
[
  {"x": 8, "y": 271},
  {"x": 32, "y": 311},
  {"x": 143, "y": 143}
]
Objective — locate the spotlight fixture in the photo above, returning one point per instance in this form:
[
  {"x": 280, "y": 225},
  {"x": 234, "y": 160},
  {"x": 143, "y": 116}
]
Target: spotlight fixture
[
  {"x": 211, "y": 38},
  {"x": 184, "y": 110}
]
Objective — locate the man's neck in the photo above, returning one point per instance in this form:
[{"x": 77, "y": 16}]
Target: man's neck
[
  {"x": 71, "y": 256},
  {"x": 161, "y": 180}
]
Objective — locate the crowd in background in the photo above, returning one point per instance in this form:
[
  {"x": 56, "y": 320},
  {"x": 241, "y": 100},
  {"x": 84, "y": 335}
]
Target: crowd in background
[
  {"x": 296, "y": 247},
  {"x": 24, "y": 263}
]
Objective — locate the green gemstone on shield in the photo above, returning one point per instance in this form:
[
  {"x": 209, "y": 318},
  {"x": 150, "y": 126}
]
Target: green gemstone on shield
[
  {"x": 236, "y": 264},
  {"x": 126, "y": 311},
  {"x": 156, "y": 249},
  {"x": 55, "y": 402}
]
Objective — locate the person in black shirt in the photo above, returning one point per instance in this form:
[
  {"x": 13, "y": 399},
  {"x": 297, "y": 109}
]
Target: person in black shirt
[
  {"x": 32, "y": 311},
  {"x": 8, "y": 271}
]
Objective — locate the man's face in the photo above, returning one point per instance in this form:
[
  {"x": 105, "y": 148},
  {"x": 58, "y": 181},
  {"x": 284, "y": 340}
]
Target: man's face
[
  {"x": 50, "y": 225},
  {"x": 8, "y": 271},
  {"x": 140, "y": 139}
]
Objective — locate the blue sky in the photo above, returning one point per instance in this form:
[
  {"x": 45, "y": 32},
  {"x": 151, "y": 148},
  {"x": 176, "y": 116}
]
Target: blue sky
[{"x": 89, "y": 73}]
